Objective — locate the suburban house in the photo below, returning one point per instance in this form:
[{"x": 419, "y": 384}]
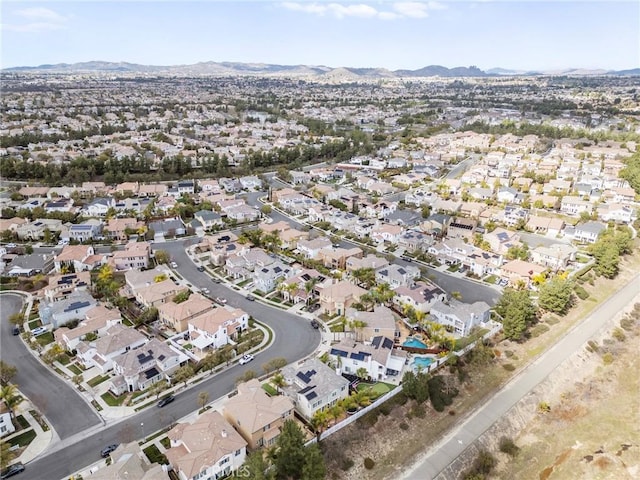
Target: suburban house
[
  {"x": 169, "y": 227},
  {"x": 414, "y": 241},
  {"x": 257, "y": 416},
  {"x": 588, "y": 232},
  {"x": 575, "y": 205},
  {"x": 117, "y": 340},
  {"x": 128, "y": 462},
  {"x": 461, "y": 317},
  {"x": 378, "y": 358},
  {"x": 155, "y": 294},
  {"x": 217, "y": 327},
  {"x": 208, "y": 219},
  {"x": 6, "y": 424},
  {"x": 311, "y": 248},
  {"x": 372, "y": 324},
  {"x": 98, "y": 207},
  {"x": 556, "y": 257},
  {"x": 77, "y": 258},
  {"x": 96, "y": 321},
  {"x": 520, "y": 271},
  {"x": 336, "y": 257},
  {"x": 266, "y": 278},
  {"x": 305, "y": 282},
  {"x": 370, "y": 261},
  {"x": 140, "y": 368},
  {"x": 337, "y": 297},
  {"x": 118, "y": 229},
  {"x": 89, "y": 230},
  {"x": 208, "y": 448},
  {"x": 36, "y": 229},
  {"x": 420, "y": 296},
  {"x": 177, "y": 315},
  {"x": 501, "y": 240},
  {"x": 61, "y": 286},
  {"x": 545, "y": 225},
  {"x": 313, "y": 386},
  {"x": 134, "y": 256},
  {"x": 397, "y": 275},
  {"x": 74, "y": 307}
]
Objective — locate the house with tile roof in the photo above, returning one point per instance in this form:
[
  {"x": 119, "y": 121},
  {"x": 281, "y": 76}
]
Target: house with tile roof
[
  {"x": 207, "y": 448},
  {"x": 177, "y": 315},
  {"x": 313, "y": 386},
  {"x": 257, "y": 416},
  {"x": 420, "y": 296},
  {"x": 379, "y": 357},
  {"x": 117, "y": 340},
  {"x": 215, "y": 328},
  {"x": 337, "y": 297},
  {"x": 98, "y": 320},
  {"x": 74, "y": 307}
]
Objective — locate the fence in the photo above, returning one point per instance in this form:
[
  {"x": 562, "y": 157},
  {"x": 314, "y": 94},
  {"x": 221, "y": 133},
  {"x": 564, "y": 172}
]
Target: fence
[{"x": 352, "y": 418}]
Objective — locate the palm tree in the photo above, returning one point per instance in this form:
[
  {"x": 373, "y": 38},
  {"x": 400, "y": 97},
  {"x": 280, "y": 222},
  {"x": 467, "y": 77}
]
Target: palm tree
[
  {"x": 357, "y": 325},
  {"x": 362, "y": 373},
  {"x": 320, "y": 421},
  {"x": 335, "y": 412},
  {"x": 9, "y": 393},
  {"x": 6, "y": 455}
]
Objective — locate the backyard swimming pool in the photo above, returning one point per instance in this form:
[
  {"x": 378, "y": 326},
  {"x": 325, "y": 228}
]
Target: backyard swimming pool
[
  {"x": 414, "y": 342},
  {"x": 422, "y": 362}
]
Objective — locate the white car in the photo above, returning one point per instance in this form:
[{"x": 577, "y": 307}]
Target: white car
[
  {"x": 246, "y": 359},
  {"x": 205, "y": 291},
  {"x": 38, "y": 331},
  {"x": 174, "y": 265}
]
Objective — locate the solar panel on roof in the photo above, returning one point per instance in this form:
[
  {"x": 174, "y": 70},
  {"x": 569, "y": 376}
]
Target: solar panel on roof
[{"x": 311, "y": 395}]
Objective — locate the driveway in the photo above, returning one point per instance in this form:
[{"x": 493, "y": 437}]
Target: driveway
[{"x": 67, "y": 412}]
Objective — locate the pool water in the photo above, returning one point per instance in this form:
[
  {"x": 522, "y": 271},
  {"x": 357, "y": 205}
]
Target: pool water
[
  {"x": 422, "y": 362},
  {"x": 414, "y": 342}
]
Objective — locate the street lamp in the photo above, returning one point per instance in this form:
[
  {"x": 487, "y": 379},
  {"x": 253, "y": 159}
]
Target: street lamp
[{"x": 142, "y": 429}]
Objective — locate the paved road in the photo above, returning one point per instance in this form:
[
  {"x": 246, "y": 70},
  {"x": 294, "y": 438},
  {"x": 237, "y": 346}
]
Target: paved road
[
  {"x": 470, "y": 291},
  {"x": 293, "y": 339},
  {"x": 65, "y": 409},
  {"x": 449, "y": 448}
]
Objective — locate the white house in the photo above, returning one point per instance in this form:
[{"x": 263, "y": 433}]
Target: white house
[
  {"x": 378, "y": 358},
  {"x": 461, "y": 317},
  {"x": 6, "y": 425}
]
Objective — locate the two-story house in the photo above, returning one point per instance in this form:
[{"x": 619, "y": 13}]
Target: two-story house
[
  {"x": 134, "y": 256},
  {"x": 419, "y": 296},
  {"x": 372, "y": 324},
  {"x": 313, "y": 386},
  {"x": 117, "y": 340},
  {"x": 378, "y": 358},
  {"x": 216, "y": 327},
  {"x": 257, "y": 416},
  {"x": 462, "y": 317},
  {"x": 397, "y": 275},
  {"x": 177, "y": 315},
  {"x": 59, "y": 313}
]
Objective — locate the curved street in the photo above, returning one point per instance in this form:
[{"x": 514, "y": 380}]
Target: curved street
[
  {"x": 438, "y": 457},
  {"x": 81, "y": 444}
]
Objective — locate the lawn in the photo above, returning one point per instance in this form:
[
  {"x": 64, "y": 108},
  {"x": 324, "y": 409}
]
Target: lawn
[
  {"x": 491, "y": 279},
  {"x": 75, "y": 369},
  {"x": 23, "y": 439},
  {"x": 165, "y": 442},
  {"x": 64, "y": 359},
  {"x": 377, "y": 389},
  {"x": 112, "y": 401},
  {"x": 23, "y": 422},
  {"x": 45, "y": 339},
  {"x": 453, "y": 268},
  {"x": 97, "y": 380},
  {"x": 34, "y": 323},
  {"x": 153, "y": 454},
  {"x": 267, "y": 387}
]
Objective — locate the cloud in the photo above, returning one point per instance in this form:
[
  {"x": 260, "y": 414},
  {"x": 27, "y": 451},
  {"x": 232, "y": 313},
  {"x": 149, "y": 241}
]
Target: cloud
[
  {"x": 362, "y": 10},
  {"x": 39, "y": 19}
]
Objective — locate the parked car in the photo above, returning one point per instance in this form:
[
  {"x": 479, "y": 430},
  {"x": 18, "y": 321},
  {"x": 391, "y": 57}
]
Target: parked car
[
  {"x": 201, "y": 268},
  {"x": 173, "y": 265},
  {"x": 38, "y": 331},
  {"x": 12, "y": 470},
  {"x": 15, "y": 330},
  {"x": 166, "y": 401},
  {"x": 251, "y": 298},
  {"x": 106, "y": 451},
  {"x": 315, "y": 324},
  {"x": 314, "y": 307},
  {"x": 11, "y": 245},
  {"x": 221, "y": 300},
  {"x": 205, "y": 291},
  {"x": 246, "y": 359}
]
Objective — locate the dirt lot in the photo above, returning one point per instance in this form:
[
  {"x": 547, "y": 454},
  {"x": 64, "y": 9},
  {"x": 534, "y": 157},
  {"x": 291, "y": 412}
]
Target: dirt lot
[{"x": 398, "y": 438}]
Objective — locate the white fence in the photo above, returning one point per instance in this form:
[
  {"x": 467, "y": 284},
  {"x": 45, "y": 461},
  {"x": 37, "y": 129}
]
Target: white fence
[{"x": 352, "y": 418}]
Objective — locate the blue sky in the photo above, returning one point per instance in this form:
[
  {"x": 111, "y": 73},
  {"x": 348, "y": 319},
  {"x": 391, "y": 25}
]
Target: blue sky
[{"x": 390, "y": 34}]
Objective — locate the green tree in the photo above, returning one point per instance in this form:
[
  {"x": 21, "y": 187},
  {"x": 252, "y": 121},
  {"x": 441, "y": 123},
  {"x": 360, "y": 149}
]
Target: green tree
[
  {"x": 416, "y": 385},
  {"x": 182, "y": 296},
  {"x": 314, "y": 467},
  {"x": 9, "y": 393},
  {"x": 518, "y": 252},
  {"x": 365, "y": 277},
  {"x": 6, "y": 455},
  {"x": 607, "y": 258},
  {"x": 16, "y": 319},
  {"x": 256, "y": 467},
  {"x": 162, "y": 257},
  {"x": 290, "y": 452},
  {"x": 266, "y": 209},
  {"x": 203, "y": 399},
  {"x": 556, "y": 295},
  {"x": 183, "y": 374},
  {"x": 7, "y": 372},
  {"x": 517, "y": 311}
]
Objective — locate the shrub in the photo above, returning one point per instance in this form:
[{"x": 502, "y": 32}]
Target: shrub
[
  {"x": 346, "y": 464},
  {"x": 538, "y": 330},
  {"x": 384, "y": 409},
  {"x": 551, "y": 320},
  {"x": 581, "y": 292},
  {"x": 618, "y": 334},
  {"x": 544, "y": 407},
  {"x": 607, "y": 358},
  {"x": 369, "y": 463},
  {"x": 508, "y": 446},
  {"x": 481, "y": 467},
  {"x": 452, "y": 412},
  {"x": 508, "y": 353},
  {"x": 418, "y": 410},
  {"x": 404, "y": 426},
  {"x": 593, "y": 345},
  {"x": 627, "y": 323},
  {"x": 509, "y": 367},
  {"x": 440, "y": 394}
]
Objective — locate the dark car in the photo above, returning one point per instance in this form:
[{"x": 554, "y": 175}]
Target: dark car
[
  {"x": 15, "y": 330},
  {"x": 12, "y": 470},
  {"x": 201, "y": 268},
  {"x": 166, "y": 401},
  {"x": 251, "y": 298},
  {"x": 315, "y": 324},
  {"x": 106, "y": 451}
]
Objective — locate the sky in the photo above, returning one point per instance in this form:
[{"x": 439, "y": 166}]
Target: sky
[{"x": 512, "y": 34}]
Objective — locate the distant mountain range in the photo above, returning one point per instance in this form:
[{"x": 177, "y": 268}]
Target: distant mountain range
[{"x": 315, "y": 71}]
